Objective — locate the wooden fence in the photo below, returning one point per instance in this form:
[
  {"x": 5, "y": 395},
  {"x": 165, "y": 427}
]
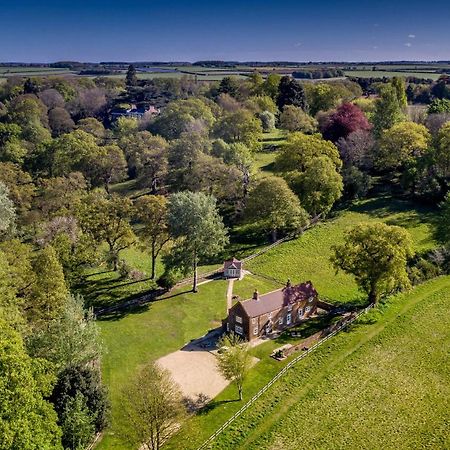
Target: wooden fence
[{"x": 280, "y": 374}]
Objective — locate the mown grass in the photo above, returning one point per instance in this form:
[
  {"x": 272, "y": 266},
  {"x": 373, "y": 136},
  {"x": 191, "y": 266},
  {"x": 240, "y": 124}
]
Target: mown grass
[
  {"x": 134, "y": 337},
  {"x": 383, "y": 384},
  {"x": 308, "y": 257}
]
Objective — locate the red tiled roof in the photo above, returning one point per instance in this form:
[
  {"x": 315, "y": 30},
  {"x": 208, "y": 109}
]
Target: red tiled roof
[
  {"x": 233, "y": 263},
  {"x": 277, "y": 299}
]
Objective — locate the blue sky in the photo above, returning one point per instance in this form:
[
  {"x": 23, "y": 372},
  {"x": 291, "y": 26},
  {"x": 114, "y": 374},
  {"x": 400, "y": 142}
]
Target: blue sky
[{"x": 154, "y": 30}]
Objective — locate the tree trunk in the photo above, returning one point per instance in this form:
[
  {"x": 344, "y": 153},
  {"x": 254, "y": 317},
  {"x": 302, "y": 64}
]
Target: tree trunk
[
  {"x": 153, "y": 261},
  {"x": 373, "y": 297},
  {"x": 240, "y": 393},
  {"x": 273, "y": 235},
  {"x": 194, "y": 287}
]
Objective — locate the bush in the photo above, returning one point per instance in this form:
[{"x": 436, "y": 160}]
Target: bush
[
  {"x": 167, "y": 280},
  {"x": 267, "y": 120},
  {"x": 124, "y": 269}
]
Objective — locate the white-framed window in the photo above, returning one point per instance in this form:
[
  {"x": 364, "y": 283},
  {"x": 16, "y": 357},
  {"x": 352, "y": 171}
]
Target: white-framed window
[
  {"x": 228, "y": 326},
  {"x": 270, "y": 315},
  {"x": 238, "y": 329},
  {"x": 288, "y": 319},
  {"x": 280, "y": 321},
  {"x": 254, "y": 320},
  {"x": 238, "y": 319},
  {"x": 289, "y": 308},
  {"x": 308, "y": 309},
  {"x": 255, "y": 331},
  {"x": 311, "y": 299},
  {"x": 300, "y": 313}
]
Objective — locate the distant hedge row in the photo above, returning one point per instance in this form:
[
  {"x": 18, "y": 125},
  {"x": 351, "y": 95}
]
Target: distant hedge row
[{"x": 318, "y": 74}]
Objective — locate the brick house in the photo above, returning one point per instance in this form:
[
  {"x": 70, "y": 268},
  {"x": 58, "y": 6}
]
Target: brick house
[
  {"x": 264, "y": 314},
  {"x": 233, "y": 268}
]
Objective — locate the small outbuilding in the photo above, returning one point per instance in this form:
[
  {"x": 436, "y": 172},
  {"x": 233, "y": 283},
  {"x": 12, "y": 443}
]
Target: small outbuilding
[{"x": 233, "y": 268}]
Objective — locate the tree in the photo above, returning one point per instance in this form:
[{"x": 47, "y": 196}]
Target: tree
[
  {"x": 443, "y": 224},
  {"x": 271, "y": 85},
  {"x": 154, "y": 408},
  {"x": 49, "y": 291},
  {"x": 107, "y": 220},
  {"x": 347, "y": 119},
  {"x": 399, "y": 85},
  {"x": 319, "y": 186},
  {"x": 151, "y": 210},
  {"x": 439, "y": 106},
  {"x": 77, "y": 424},
  {"x": 294, "y": 118},
  {"x": 230, "y": 86},
  {"x": 92, "y": 126},
  {"x": 376, "y": 254},
  {"x": 268, "y": 120},
  {"x": 357, "y": 149},
  {"x": 274, "y": 207},
  {"x": 241, "y": 126},
  {"x": 234, "y": 360},
  {"x": 7, "y": 212},
  {"x": 147, "y": 157},
  {"x": 197, "y": 228},
  {"x": 401, "y": 144},
  {"x": 388, "y": 111},
  {"x": 131, "y": 77},
  {"x": 442, "y": 152},
  {"x": 27, "y": 421},
  {"x": 60, "y": 121},
  {"x": 290, "y": 92},
  {"x": 71, "y": 340},
  {"x": 321, "y": 97},
  {"x": 300, "y": 149},
  {"x": 180, "y": 116}
]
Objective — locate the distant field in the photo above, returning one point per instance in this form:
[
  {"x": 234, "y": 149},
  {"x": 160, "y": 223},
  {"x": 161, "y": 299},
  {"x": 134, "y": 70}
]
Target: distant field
[
  {"x": 390, "y": 74},
  {"x": 382, "y": 385}
]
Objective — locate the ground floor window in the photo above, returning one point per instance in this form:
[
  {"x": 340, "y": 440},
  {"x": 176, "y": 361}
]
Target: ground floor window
[
  {"x": 255, "y": 331},
  {"x": 239, "y": 330},
  {"x": 288, "y": 319},
  {"x": 300, "y": 313}
]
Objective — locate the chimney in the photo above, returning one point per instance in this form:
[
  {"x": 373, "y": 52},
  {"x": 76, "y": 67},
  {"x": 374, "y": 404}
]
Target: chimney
[
  {"x": 288, "y": 284},
  {"x": 256, "y": 295}
]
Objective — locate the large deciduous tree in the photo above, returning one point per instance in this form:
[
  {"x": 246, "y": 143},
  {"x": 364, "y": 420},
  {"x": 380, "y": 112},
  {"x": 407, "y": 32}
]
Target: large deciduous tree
[
  {"x": 153, "y": 406},
  {"x": 274, "y": 207},
  {"x": 7, "y": 212},
  {"x": 107, "y": 219},
  {"x": 347, "y": 119},
  {"x": 291, "y": 92},
  {"x": 402, "y": 144},
  {"x": 197, "y": 228},
  {"x": 294, "y": 118},
  {"x": 152, "y": 212},
  {"x": 388, "y": 110},
  {"x": 376, "y": 254}
]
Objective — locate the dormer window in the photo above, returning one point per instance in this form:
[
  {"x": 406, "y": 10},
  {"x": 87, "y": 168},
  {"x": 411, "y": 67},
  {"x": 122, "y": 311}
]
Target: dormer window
[{"x": 238, "y": 319}]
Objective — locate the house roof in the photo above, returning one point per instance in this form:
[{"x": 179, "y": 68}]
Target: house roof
[
  {"x": 277, "y": 299},
  {"x": 233, "y": 264}
]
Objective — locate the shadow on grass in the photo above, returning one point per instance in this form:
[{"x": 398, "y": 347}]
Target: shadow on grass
[
  {"x": 213, "y": 405},
  {"x": 120, "y": 314}
]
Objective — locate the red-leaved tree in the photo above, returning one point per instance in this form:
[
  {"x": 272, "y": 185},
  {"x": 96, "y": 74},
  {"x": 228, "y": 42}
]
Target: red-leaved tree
[{"x": 345, "y": 120}]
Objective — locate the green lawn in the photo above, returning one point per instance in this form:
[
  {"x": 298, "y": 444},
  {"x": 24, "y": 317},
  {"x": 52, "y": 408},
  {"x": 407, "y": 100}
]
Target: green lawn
[
  {"x": 307, "y": 258},
  {"x": 142, "y": 335},
  {"x": 382, "y": 385},
  {"x": 134, "y": 337}
]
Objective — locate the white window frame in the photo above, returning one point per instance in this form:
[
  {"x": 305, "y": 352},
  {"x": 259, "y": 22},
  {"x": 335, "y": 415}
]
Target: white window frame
[
  {"x": 300, "y": 313},
  {"x": 254, "y": 320},
  {"x": 255, "y": 331},
  {"x": 288, "y": 318},
  {"x": 308, "y": 309},
  {"x": 289, "y": 308},
  {"x": 239, "y": 330},
  {"x": 280, "y": 321},
  {"x": 238, "y": 319},
  {"x": 311, "y": 299}
]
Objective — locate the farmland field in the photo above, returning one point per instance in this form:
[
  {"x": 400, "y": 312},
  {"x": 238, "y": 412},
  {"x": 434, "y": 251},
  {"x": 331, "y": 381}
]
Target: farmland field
[
  {"x": 390, "y": 74},
  {"x": 383, "y": 384}
]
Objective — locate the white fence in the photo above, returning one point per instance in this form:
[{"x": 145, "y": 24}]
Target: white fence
[{"x": 280, "y": 374}]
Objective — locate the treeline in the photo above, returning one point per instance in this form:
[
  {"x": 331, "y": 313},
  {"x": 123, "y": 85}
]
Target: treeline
[{"x": 318, "y": 73}]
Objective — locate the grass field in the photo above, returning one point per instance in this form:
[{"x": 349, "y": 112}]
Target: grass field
[
  {"x": 134, "y": 337},
  {"x": 384, "y": 384},
  {"x": 390, "y": 74}
]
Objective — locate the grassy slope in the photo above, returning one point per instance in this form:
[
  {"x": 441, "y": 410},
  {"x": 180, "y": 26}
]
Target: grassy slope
[
  {"x": 165, "y": 326},
  {"x": 307, "y": 258},
  {"x": 384, "y": 384}
]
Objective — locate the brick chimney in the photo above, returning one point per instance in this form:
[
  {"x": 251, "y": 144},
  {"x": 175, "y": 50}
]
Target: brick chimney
[{"x": 256, "y": 295}]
